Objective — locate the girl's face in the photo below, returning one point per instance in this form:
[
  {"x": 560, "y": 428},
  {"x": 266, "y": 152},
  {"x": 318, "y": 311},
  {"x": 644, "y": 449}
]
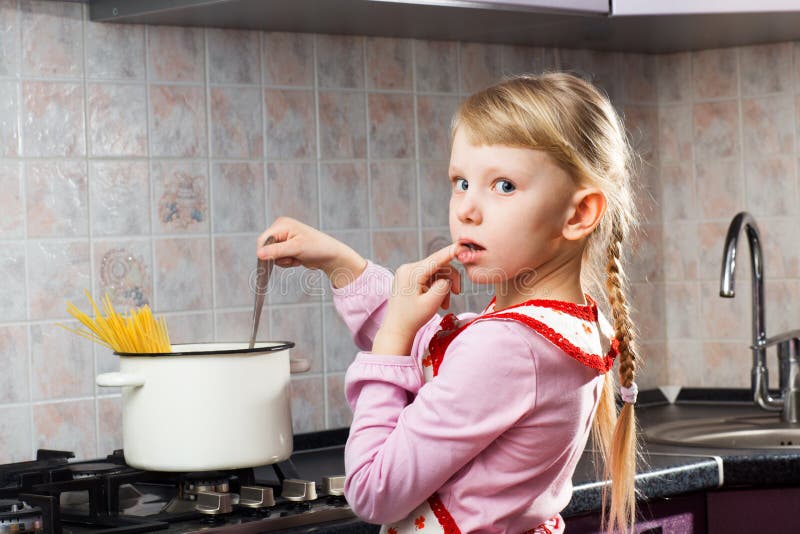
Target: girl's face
[{"x": 513, "y": 203}]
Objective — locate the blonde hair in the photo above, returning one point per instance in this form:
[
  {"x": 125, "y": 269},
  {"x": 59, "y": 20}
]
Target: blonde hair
[{"x": 573, "y": 122}]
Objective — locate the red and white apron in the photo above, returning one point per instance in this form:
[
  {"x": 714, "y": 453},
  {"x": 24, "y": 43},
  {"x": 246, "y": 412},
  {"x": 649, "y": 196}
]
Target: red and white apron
[{"x": 571, "y": 327}]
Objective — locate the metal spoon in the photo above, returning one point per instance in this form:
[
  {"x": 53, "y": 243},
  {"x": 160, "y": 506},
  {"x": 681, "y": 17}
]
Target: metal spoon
[{"x": 263, "y": 271}]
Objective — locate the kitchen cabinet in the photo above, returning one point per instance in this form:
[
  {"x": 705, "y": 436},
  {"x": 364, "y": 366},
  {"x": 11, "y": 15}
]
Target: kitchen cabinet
[
  {"x": 698, "y": 7},
  {"x": 685, "y": 514}
]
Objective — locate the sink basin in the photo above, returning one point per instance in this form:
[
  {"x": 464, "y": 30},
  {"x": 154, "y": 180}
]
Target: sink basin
[{"x": 746, "y": 432}]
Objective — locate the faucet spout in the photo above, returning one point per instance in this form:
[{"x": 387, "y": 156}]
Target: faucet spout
[{"x": 759, "y": 377}]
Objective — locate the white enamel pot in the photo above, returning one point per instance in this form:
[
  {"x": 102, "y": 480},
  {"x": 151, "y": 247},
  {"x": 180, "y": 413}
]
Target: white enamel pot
[{"x": 206, "y": 406}]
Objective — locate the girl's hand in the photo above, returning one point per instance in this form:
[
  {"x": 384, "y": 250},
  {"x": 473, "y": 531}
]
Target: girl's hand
[
  {"x": 418, "y": 291},
  {"x": 299, "y": 244}
]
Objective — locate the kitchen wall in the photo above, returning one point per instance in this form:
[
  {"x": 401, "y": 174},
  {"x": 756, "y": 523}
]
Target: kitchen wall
[{"x": 144, "y": 161}]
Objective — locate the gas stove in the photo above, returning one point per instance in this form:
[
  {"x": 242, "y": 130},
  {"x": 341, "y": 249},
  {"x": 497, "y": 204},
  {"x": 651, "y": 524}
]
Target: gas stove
[{"x": 56, "y": 495}]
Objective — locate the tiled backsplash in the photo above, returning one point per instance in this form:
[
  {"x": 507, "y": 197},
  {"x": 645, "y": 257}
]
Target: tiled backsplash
[{"x": 144, "y": 161}]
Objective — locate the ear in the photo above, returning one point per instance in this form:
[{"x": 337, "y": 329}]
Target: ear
[{"x": 588, "y": 206}]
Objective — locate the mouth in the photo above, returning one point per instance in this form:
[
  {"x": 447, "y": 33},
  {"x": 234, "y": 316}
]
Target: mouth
[{"x": 471, "y": 245}]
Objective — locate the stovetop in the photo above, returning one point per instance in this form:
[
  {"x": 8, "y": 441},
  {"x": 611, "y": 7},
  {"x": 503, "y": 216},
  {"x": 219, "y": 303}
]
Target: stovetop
[{"x": 55, "y": 494}]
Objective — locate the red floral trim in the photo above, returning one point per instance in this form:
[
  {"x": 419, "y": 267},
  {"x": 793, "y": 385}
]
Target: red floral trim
[
  {"x": 595, "y": 361},
  {"x": 441, "y": 340},
  {"x": 587, "y": 312},
  {"x": 543, "y": 528},
  {"x": 442, "y": 515}
]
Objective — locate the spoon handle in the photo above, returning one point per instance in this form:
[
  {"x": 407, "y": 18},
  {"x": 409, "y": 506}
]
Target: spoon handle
[{"x": 263, "y": 271}]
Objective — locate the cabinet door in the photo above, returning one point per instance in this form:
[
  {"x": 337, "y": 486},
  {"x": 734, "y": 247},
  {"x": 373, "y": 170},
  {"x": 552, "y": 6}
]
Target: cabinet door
[
  {"x": 599, "y": 7},
  {"x": 685, "y": 514},
  {"x": 754, "y": 510},
  {"x": 698, "y": 7}
]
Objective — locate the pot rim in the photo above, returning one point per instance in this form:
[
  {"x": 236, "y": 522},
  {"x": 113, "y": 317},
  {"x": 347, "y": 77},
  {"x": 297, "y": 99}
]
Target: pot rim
[{"x": 279, "y": 346}]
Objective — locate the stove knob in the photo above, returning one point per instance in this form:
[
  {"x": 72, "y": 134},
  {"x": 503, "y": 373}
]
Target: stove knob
[
  {"x": 256, "y": 497},
  {"x": 333, "y": 486},
  {"x": 299, "y": 490},
  {"x": 213, "y": 503}
]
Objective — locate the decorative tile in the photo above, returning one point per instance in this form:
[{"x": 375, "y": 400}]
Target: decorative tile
[
  {"x": 647, "y": 301},
  {"x": 647, "y": 265},
  {"x": 682, "y": 310},
  {"x": 288, "y": 58},
  {"x": 295, "y": 285},
  {"x": 652, "y": 367},
  {"x": 9, "y": 124},
  {"x": 291, "y": 124},
  {"x": 720, "y": 188},
  {"x": 393, "y": 249},
  {"x": 389, "y": 63},
  {"x": 52, "y": 38},
  {"x": 675, "y": 133},
  {"x": 481, "y": 66},
  {"x": 394, "y": 193},
  {"x": 236, "y": 122},
  {"x": 679, "y": 194},
  {"x": 344, "y": 184},
  {"x": 339, "y": 413},
  {"x": 109, "y": 419},
  {"x": 715, "y": 73},
  {"x": 183, "y": 274},
  {"x": 771, "y": 186},
  {"x": 234, "y": 271},
  {"x": 639, "y": 76},
  {"x": 308, "y": 404},
  {"x": 768, "y": 125},
  {"x": 435, "y": 190},
  {"x": 58, "y": 271},
  {"x": 178, "y": 125},
  {"x": 15, "y": 434},
  {"x": 600, "y": 68},
  {"x": 727, "y": 365},
  {"x": 120, "y": 197},
  {"x": 238, "y": 199},
  {"x": 679, "y": 252},
  {"x": 176, "y": 54},
  {"x": 117, "y": 120},
  {"x": 106, "y": 362},
  {"x": 649, "y": 195},
  {"x": 66, "y": 426},
  {"x": 190, "y": 327},
  {"x": 766, "y": 68},
  {"x": 687, "y": 363},
  {"x": 292, "y": 191},
  {"x": 436, "y": 66},
  {"x": 12, "y": 224},
  {"x": 781, "y": 297},
  {"x": 236, "y": 325},
  {"x": 115, "y": 51},
  {"x": 14, "y": 361},
  {"x": 342, "y": 125},
  {"x": 434, "y": 115},
  {"x": 62, "y": 363},
  {"x": 52, "y": 119},
  {"x": 9, "y": 42},
  {"x": 303, "y": 325},
  {"x": 233, "y": 56},
  {"x": 123, "y": 270},
  {"x": 710, "y": 241},
  {"x": 56, "y": 198},
  {"x": 340, "y": 350},
  {"x": 779, "y": 237},
  {"x": 517, "y": 59},
  {"x": 12, "y": 291},
  {"x": 674, "y": 77},
  {"x": 722, "y": 318},
  {"x": 180, "y": 197},
  {"x": 391, "y": 126},
  {"x": 340, "y": 61},
  {"x": 716, "y": 129},
  {"x": 642, "y": 125}
]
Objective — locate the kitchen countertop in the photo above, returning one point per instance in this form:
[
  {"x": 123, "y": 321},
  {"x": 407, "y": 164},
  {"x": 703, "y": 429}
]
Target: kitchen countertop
[{"x": 662, "y": 471}]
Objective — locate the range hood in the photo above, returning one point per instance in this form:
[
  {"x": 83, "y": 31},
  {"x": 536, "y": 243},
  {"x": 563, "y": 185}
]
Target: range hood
[{"x": 577, "y": 24}]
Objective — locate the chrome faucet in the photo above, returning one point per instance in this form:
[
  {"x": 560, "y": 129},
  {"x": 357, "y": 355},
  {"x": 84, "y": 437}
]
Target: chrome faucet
[{"x": 788, "y": 403}]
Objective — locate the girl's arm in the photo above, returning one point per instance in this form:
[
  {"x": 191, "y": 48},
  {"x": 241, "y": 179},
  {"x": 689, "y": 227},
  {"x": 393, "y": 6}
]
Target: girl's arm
[{"x": 401, "y": 452}]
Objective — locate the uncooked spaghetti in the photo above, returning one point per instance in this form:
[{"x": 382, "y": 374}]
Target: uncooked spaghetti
[{"x": 137, "y": 332}]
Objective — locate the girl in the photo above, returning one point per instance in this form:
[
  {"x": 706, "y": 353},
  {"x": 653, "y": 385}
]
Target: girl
[{"x": 475, "y": 423}]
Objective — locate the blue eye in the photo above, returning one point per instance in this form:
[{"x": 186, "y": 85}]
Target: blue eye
[
  {"x": 456, "y": 182},
  {"x": 506, "y": 187}
]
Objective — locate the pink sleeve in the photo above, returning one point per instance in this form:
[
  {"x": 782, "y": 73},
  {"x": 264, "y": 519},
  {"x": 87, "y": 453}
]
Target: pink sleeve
[
  {"x": 402, "y": 448},
  {"x": 362, "y": 303}
]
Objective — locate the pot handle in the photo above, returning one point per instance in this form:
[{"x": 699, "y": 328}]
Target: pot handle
[
  {"x": 299, "y": 365},
  {"x": 119, "y": 379}
]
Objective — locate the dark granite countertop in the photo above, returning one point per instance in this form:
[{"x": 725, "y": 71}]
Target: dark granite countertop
[{"x": 662, "y": 470}]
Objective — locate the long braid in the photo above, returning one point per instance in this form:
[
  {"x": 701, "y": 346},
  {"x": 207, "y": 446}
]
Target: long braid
[{"x": 622, "y": 464}]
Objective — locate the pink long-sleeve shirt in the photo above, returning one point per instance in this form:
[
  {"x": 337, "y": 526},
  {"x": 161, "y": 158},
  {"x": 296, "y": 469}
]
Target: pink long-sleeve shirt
[{"x": 497, "y": 433}]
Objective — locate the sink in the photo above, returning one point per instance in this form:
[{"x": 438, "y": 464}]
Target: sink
[{"x": 744, "y": 432}]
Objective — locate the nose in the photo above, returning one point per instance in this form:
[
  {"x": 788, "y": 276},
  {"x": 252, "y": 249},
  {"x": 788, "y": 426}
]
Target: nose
[{"x": 467, "y": 208}]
